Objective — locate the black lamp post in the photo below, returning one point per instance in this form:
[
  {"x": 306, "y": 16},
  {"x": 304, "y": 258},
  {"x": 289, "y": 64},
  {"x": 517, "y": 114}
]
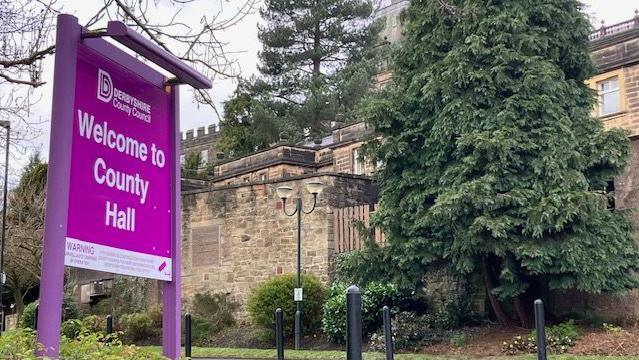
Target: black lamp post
[
  {"x": 284, "y": 192},
  {"x": 3, "y": 278}
]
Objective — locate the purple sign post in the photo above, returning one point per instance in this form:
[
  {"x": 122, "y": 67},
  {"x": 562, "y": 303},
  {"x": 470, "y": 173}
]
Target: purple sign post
[{"x": 113, "y": 188}]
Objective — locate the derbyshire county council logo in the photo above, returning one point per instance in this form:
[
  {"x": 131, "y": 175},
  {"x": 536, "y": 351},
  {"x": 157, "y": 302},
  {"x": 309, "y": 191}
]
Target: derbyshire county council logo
[{"x": 105, "y": 86}]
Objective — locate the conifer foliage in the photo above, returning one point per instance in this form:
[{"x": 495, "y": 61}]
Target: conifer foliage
[
  {"x": 492, "y": 161},
  {"x": 304, "y": 43}
]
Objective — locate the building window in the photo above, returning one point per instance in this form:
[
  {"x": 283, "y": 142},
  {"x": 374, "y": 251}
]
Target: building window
[
  {"x": 263, "y": 176},
  {"x": 609, "y": 96},
  {"x": 395, "y": 20},
  {"x": 358, "y": 162},
  {"x": 204, "y": 157},
  {"x": 182, "y": 159}
]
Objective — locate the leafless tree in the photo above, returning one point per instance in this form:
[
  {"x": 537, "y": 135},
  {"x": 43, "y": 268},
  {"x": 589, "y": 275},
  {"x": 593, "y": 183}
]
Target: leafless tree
[
  {"x": 27, "y": 27},
  {"x": 23, "y": 250},
  {"x": 27, "y": 38}
]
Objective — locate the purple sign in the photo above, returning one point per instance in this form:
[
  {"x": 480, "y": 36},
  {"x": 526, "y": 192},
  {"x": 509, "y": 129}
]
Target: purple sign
[
  {"x": 119, "y": 217},
  {"x": 113, "y": 185}
]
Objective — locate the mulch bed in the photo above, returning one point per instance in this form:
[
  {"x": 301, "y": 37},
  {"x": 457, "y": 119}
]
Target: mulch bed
[
  {"x": 480, "y": 341},
  {"x": 488, "y": 341},
  {"x": 599, "y": 342}
]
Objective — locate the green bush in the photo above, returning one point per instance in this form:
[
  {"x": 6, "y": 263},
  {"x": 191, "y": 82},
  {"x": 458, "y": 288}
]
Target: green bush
[
  {"x": 374, "y": 297},
  {"x": 21, "y": 344},
  {"x": 70, "y": 311},
  {"x": 559, "y": 338},
  {"x": 278, "y": 293},
  {"x": 71, "y": 328},
  {"x": 211, "y": 313},
  {"x": 412, "y": 331},
  {"x": 138, "y": 327},
  {"x": 341, "y": 266},
  {"x": 18, "y": 344},
  {"x": 202, "y": 331},
  {"x": 215, "y": 307},
  {"x": 94, "y": 324}
]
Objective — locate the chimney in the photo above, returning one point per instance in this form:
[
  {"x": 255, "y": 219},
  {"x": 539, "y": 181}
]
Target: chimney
[
  {"x": 212, "y": 129},
  {"x": 200, "y": 131},
  {"x": 189, "y": 134}
]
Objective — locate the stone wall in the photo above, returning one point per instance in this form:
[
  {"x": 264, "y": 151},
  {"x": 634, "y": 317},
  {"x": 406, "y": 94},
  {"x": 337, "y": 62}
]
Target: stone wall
[
  {"x": 236, "y": 237},
  {"x": 610, "y": 307}
]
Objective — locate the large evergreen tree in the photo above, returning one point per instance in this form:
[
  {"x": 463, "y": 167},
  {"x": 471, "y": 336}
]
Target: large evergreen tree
[
  {"x": 492, "y": 160},
  {"x": 305, "y": 42},
  {"x": 252, "y": 120}
]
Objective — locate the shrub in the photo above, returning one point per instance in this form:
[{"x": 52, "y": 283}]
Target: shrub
[
  {"x": 70, "y": 310},
  {"x": 612, "y": 329},
  {"x": 17, "y": 344},
  {"x": 458, "y": 339},
  {"x": 155, "y": 313},
  {"x": 411, "y": 331},
  {"x": 211, "y": 313},
  {"x": 341, "y": 267},
  {"x": 374, "y": 297},
  {"x": 217, "y": 308},
  {"x": 71, "y": 328},
  {"x": 94, "y": 324},
  {"x": 202, "y": 331},
  {"x": 21, "y": 344},
  {"x": 129, "y": 295},
  {"x": 558, "y": 339},
  {"x": 138, "y": 327},
  {"x": 278, "y": 293}
]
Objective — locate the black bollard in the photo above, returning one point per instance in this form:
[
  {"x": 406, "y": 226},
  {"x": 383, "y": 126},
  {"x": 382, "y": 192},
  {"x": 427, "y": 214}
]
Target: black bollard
[
  {"x": 35, "y": 318},
  {"x": 353, "y": 323},
  {"x": 187, "y": 335},
  {"x": 388, "y": 333},
  {"x": 109, "y": 324},
  {"x": 540, "y": 325},
  {"x": 279, "y": 334}
]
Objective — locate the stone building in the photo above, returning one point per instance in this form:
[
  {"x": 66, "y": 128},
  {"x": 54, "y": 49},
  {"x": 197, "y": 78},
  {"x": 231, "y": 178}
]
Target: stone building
[
  {"x": 615, "y": 53},
  {"x": 340, "y": 152},
  {"x": 235, "y": 234},
  {"x": 390, "y": 14},
  {"x": 201, "y": 141}
]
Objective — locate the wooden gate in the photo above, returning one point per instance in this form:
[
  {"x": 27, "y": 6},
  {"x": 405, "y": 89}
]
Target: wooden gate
[{"x": 347, "y": 228}]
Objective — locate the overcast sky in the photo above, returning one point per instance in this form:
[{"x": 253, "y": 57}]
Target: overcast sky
[{"x": 242, "y": 39}]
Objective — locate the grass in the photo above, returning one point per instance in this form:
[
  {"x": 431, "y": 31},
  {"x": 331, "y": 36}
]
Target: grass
[{"x": 340, "y": 355}]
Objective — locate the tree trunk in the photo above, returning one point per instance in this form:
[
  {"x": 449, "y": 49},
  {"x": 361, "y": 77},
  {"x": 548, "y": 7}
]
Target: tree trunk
[
  {"x": 502, "y": 317},
  {"x": 19, "y": 302},
  {"x": 524, "y": 318},
  {"x": 317, "y": 60}
]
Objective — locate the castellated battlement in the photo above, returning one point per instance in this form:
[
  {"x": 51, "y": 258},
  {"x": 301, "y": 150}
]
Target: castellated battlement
[{"x": 200, "y": 134}]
